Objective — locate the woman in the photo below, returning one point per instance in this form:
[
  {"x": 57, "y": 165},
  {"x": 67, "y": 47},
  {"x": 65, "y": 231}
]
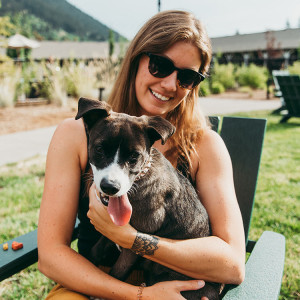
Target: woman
[{"x": 160, "y": 76}]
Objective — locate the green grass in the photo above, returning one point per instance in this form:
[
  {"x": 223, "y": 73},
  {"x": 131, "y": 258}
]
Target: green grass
[
  {"x": 21, "y": 187},
  {"x": 276, "y": 206}
]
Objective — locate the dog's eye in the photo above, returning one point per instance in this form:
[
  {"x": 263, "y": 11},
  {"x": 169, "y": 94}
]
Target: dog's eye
[
  {"x": 134, "y": 158},
  {"x": 99, "y": 152},
  {"x": 99, "y": 149}
]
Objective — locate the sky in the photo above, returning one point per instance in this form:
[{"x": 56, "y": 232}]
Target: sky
[{"x": 220, "y": 17}]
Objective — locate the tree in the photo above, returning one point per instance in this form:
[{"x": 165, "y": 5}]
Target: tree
[
  {"x": 111, "y": 42},
  {"x": 6, "y": 27}
]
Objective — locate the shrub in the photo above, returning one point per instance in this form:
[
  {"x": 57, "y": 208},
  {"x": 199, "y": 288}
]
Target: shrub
[
  {"x": 9, "y": 79},
  {"x": 6, "y": 67},
  {"x": 35, "y": 81},
  {"x": 217, "y": 88},
  {"x": 8, "y": 90},
  {"x": 80, "y": 79},
  {"x": 224, "y": 74},
  {"x": 204, "y": 89},
  {"x": 58, "y": 90},
  {"x": 107, "y": 71},
  {"x": 295, "y": 68},
  {"x": 83, "y": 79},
  {"x": 246, "y": 90},
  {"x": 252, "y": 76}
]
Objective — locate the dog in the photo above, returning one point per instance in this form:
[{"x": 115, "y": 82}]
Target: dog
[{"x": 138, "y": 184}]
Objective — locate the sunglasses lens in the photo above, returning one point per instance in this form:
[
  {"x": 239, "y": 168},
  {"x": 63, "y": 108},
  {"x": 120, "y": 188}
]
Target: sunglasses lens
[
  {"x": 188, "y": 79},
  {"x": 160, "y": 66}
]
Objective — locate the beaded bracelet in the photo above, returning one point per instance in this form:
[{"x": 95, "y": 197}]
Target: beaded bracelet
[{"x": 140, "y": 291}]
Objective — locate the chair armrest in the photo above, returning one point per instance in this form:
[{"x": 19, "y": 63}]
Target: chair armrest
[
  {"x": 12, "y": 261},
  {"x": 264, "y": 270}
]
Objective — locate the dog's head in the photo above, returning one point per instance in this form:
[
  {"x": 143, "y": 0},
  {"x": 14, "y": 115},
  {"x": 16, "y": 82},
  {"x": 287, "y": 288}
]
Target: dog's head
[{"x": 119, "y": 146}]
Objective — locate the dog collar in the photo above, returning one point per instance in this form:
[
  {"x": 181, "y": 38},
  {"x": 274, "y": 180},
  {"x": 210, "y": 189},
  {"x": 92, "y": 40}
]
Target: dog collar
[{"x": 145, "y": 169}]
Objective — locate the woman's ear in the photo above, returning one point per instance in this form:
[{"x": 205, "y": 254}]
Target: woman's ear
[{"x": 92, "y": 110}]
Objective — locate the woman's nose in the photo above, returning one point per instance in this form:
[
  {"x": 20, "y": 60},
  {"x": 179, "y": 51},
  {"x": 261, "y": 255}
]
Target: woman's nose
[{"x": 170, "y": 82}]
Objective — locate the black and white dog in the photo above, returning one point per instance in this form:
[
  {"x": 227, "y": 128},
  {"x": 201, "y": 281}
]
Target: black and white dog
[{"x": 138, "y": 184}]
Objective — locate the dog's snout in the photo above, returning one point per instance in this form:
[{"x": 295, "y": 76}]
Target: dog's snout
[{"x": 109, "y": 187}]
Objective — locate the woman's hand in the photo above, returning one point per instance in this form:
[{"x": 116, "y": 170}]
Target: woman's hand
[
  {"x": 171, "y": 289},
  {"x": 99, "y": 217}
]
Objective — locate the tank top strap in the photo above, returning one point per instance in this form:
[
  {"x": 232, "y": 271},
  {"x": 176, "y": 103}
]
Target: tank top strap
[{"x": 184, "y": 168}]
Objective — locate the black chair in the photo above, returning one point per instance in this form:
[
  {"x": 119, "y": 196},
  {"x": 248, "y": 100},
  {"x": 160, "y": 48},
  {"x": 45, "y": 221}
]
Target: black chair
[
  {"x": 277, "y": 92},
  {"x": 290, "y": 90}
]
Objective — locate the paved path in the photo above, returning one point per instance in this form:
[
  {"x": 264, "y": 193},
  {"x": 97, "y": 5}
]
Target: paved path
[
  {"x": 25, "y": 144},
  {"x": 22, "y": 145},
  {"x": 214, "y": 106}
]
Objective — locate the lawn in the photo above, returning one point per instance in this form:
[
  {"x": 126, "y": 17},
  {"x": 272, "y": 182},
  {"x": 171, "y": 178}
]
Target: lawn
[{"x": 276, "y": 206}]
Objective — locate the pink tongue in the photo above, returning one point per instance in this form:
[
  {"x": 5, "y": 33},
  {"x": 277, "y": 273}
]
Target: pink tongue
[{"x": 119, "y": 210}]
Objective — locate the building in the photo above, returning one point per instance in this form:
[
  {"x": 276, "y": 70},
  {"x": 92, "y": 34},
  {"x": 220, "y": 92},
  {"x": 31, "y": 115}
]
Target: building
[
  {"x": 62, "y": 50},
  {"x": 274, "y": 49},
  {"x": 76, "y": 50}
]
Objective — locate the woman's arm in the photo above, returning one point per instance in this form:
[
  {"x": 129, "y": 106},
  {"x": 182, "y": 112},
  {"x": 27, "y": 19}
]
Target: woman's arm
[
  {"x": 65, "y": 161},
  {"x": 219, "y": 258}
]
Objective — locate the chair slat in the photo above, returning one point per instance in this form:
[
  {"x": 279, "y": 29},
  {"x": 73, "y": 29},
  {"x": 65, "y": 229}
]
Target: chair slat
[
  {"x": 290, "y": 89},
  {"x": 215, "y": 122},
  {"x": 12, "y": 262},
  {"x": 244, "y": 140}
]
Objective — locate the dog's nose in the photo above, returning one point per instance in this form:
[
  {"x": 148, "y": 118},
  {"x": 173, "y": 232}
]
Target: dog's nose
[{"x": 109, "y": 187}]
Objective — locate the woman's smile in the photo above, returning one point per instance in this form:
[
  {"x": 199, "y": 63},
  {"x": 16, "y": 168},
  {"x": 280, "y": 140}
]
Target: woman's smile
[{"x": 159, "y": 96}]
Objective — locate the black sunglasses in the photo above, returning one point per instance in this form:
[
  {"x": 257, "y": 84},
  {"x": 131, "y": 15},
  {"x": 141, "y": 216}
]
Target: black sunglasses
[{"x": 161, "y": 67}]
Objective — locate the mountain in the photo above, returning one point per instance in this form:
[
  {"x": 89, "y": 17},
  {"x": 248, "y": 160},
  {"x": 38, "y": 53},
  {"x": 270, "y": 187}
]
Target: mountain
[{"x": 54, "y": 20}]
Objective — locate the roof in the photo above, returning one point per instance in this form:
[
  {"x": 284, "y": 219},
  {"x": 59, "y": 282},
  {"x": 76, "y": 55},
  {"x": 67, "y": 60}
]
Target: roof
[
  {"x": 19, "y": 41},
  {"x": 284, "y": 39},
  {"x": 67, "y": 49}
]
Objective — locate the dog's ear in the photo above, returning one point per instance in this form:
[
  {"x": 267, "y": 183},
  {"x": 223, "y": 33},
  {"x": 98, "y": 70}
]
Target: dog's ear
[
  {"x": 92, "y": 110},
  {"x": 159, "y": 128}
]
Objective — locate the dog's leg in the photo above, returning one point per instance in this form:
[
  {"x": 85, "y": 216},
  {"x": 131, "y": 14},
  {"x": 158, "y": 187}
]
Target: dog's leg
[
  {"x": 159, "y": 273},
  {"x": 210, "y": 291},
  {"x": 124, "y": 265},
  {"x": 104, "y": 252}
]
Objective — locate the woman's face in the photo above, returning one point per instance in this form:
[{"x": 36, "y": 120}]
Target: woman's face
[{"x": 158, "y": 96}]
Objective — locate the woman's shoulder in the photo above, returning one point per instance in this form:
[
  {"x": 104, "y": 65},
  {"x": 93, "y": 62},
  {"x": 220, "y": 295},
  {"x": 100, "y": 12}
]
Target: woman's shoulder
[
  {"x": 71, "y": 124},
  {"x": 210, "y": 154},
  {"x": 71, "y": 129},
  {"x": 210, "y": 138},
  {"x": 210, "y": 147},
  {"x": 70, "y": 137}
]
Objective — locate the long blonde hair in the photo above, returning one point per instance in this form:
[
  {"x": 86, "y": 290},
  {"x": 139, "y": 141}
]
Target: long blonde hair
[{"x": 161, "y": 32}]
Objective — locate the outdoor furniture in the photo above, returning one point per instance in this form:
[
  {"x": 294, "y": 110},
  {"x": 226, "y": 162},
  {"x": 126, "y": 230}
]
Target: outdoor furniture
[
  {"x": 289, "y": 86},
  {"x": 277, "y": 92},
  {"x": 264, "y": 268}
]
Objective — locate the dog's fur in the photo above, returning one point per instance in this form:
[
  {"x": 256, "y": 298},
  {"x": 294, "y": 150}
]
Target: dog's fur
[{"x": 163, "y": 201}]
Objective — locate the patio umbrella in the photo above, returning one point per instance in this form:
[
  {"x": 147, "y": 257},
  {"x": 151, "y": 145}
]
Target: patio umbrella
[{"x": 19, "y": 41}]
